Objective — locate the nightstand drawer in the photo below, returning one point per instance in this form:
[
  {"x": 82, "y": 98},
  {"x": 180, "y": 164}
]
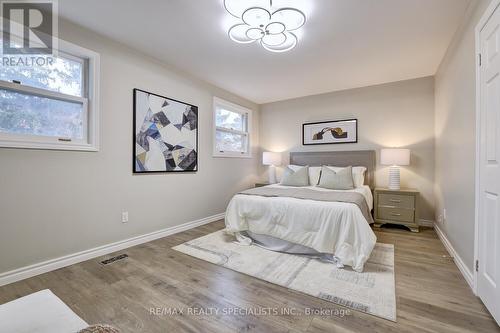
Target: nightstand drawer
[
  {"x": 396, "y": 214},
  {"x": 395, "y": 200}
]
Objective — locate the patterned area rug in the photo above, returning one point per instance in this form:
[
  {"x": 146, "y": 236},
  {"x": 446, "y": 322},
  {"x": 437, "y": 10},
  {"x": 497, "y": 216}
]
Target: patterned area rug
[{"x": 372, "y": 291}]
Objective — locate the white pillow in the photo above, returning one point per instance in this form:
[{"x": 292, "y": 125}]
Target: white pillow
[
  {"x": 314, "y": 173},
  {"x": 358, "y": 174}
]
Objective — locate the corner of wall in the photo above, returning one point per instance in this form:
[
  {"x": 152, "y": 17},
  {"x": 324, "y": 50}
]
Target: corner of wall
[{"x": 454, "y": 114}]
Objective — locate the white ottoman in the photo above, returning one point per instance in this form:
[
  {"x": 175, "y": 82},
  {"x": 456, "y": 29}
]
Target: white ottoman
[{"x": 41, "y": 312}]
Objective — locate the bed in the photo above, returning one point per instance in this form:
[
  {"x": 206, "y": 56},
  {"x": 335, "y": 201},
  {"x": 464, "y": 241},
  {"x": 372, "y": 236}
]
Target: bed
[{"x": 311, "y": 220}]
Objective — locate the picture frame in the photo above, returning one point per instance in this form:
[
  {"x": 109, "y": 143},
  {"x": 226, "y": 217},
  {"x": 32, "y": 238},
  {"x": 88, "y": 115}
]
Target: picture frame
[
  {"x": 330, "y": 132},
  {"x": 165, "y": 134}
]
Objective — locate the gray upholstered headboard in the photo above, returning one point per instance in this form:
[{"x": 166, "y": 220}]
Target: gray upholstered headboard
[{"x": 364, "y": 158}]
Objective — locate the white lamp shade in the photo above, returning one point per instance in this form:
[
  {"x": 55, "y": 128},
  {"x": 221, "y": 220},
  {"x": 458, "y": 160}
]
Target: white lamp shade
[
  {"x": 394, "y": 156},
  {"x": 270, "y": 158}
]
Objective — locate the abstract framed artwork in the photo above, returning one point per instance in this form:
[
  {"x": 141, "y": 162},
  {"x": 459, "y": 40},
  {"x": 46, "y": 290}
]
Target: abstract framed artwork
[
  {"x": 165, "y": 134},
  {"x": 330, "y": 132}
]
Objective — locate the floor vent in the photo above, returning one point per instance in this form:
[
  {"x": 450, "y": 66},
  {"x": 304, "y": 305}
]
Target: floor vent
[{"x": 114, "y": 259}]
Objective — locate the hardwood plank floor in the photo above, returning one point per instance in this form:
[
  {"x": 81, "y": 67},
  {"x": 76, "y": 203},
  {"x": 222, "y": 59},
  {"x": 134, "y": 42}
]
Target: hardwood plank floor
[{"x": 135, "y": 294}]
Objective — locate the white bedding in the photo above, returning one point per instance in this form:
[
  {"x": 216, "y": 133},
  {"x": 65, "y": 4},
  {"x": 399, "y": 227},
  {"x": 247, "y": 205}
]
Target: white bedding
[{"x": 336, "y": 228}]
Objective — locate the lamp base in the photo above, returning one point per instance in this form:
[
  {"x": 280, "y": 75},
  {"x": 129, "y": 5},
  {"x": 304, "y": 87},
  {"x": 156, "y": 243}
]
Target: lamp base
[
  {"x": 394, "y": 178},
  {"x": 272, "y": 174}
]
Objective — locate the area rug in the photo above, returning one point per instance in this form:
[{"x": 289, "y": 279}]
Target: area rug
[{"x": 372, "y": 291}]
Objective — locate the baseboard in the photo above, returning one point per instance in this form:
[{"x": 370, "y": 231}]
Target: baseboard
[
  {"x": 426, "y": 223},
  {"x": 53, "y": 264},
  {"x": 468, "y": 276}
]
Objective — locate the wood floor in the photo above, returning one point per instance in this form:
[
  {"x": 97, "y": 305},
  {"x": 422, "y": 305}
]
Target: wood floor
[{"x": 432, "y": 296}]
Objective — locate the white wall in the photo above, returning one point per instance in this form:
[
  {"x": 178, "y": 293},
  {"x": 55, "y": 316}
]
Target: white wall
[
  {"x": 54, "y": 203},
  {"x": 399, "y": 114},
  {"x": 455, "y": 111}
]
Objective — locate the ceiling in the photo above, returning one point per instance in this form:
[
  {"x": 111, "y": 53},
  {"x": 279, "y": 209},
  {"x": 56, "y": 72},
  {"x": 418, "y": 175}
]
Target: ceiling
[{"x": 344, "y": 43}]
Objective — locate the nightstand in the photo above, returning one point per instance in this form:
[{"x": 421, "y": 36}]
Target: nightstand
[
  {"x": 261, "y": 184},
  {"x": 396, "y": 207}
]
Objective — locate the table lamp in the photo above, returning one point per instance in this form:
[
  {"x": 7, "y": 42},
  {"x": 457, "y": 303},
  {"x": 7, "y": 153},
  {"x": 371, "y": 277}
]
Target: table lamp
[
  {"x": 395, "y": 157},
  {"x": 273, "y": 160}
]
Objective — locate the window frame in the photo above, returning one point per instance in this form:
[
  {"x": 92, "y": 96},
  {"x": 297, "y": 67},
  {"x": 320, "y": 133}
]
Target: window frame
[
  {"x": 89, "y": 100},
  {"x": 220, "y": 103}
]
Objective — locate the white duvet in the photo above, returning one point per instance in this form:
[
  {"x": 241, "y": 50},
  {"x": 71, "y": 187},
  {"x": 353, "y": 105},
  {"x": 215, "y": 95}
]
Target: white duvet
[{"x": 336, "y": 228}]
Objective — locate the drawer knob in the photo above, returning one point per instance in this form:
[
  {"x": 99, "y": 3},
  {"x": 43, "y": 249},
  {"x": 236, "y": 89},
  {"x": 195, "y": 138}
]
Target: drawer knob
[
  {"x": 395, "y": 214},
  {"x": 395, "y": 200}
]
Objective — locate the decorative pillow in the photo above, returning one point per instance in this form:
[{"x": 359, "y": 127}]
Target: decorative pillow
[
  {"x": 340, "y": 180},
  {"x": 358, "y": 174},
  {"x": 300, "y": 177},
  {"x": 314, "y": 173}
]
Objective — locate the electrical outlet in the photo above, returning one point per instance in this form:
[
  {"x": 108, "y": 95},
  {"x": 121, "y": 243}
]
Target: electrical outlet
[{"x": 124, "y": 217}]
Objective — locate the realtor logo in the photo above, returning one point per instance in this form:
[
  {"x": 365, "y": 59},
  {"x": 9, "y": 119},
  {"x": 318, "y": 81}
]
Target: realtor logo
[{"x": 29, "y": 27}]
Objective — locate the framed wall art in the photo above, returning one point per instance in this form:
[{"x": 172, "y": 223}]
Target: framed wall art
[
  {"x": 165, "y": 134},
  {"x": 330, "y": 132}
]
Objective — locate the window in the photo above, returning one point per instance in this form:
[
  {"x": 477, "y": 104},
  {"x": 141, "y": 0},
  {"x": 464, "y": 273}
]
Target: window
[
  {"x": 231, "y": 129},
  {"x": 53, "y": 105}
]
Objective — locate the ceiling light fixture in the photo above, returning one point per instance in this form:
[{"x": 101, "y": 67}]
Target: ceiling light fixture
[{"x": 264, "y": 23}]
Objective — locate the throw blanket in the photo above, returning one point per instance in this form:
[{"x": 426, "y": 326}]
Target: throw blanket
[
  {"x": 99, "y": 329},
  {"x": 307, "y": 194}
]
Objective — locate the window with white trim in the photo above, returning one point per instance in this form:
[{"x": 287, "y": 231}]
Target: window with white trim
[
  {"x": 50, "y": 102},
  {"x": 231, "y": 129}
]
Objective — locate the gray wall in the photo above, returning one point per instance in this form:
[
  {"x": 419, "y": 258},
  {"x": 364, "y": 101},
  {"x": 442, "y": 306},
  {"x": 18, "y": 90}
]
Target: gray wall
[
  {"x": 54, "y": 203},
  {"x": 399, "y": 114},
  {"x": 455, "y": 113}
]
